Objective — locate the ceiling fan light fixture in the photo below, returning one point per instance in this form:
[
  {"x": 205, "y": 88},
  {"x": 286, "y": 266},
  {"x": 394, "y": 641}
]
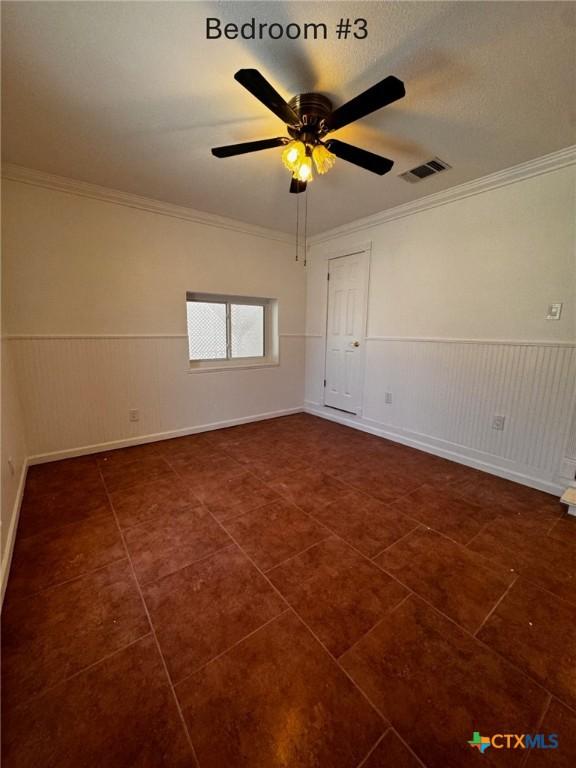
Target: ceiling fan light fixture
[
  {"x": 304, "y": 170},
  {"x": 323, "y": 158},
  {"x": 293, "y": 155}
]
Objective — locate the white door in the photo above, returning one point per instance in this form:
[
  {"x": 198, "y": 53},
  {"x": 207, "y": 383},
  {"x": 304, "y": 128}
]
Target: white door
[{"x": 345, "y": 330}]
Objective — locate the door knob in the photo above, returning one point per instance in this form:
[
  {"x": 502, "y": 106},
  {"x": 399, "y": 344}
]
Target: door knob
[{"x": 355, "y": 343}]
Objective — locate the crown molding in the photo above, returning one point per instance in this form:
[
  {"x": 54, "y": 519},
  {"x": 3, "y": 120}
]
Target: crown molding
[
  {"x": 111, "y": 336},
  {"x": 36, "y": 178},
  {"x": 536, "y": 167},
  {"x": 546, "y": 164}
]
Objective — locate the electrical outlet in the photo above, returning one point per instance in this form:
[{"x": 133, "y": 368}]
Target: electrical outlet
[
  {"x": 554, "y": 311},
  {"x": 134, "y": 414},
  {"x": 498, "y": 422},
  {"x": 388, "y": 398}
]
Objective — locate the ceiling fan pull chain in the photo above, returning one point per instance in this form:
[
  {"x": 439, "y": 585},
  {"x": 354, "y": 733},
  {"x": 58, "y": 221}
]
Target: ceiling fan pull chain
[
  {"x": 306, "y": 225},
  {"x": 297, "y": 224}
]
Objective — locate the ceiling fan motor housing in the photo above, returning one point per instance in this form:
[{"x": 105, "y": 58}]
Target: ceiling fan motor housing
[{"x": 313, "y": 109}]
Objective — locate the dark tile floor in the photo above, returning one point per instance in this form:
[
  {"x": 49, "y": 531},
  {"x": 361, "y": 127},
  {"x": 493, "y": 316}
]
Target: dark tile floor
[{"x": 285, "y": 594}]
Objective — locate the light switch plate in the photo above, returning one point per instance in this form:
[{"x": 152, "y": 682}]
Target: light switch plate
[{"x": 554, "y": 311}]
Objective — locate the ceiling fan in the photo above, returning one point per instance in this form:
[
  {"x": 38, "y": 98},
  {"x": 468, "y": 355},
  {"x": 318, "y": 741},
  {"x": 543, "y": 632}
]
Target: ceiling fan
[{"x": 309, "y": 117}]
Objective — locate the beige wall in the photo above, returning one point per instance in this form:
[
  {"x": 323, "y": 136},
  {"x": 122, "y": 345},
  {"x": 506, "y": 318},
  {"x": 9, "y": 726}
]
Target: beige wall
[
  {"x": 81, "y": 266},
  {"x": 97, "y": 270},
  {"x": 457, "y": 327},
  {"x": 481, "y": 267}
]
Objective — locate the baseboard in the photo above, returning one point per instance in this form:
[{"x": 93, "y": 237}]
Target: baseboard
[
  {"x": 11, "y": 537},
  {"x": 85, "y": 450},
  {"x": 450, "y": 451}
]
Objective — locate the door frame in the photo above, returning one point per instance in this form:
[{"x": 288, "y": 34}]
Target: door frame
[{"x": 352, "y": 250}]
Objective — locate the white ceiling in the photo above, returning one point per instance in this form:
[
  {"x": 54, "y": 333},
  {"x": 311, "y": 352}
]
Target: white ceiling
[{"x": 132, "y": 96}]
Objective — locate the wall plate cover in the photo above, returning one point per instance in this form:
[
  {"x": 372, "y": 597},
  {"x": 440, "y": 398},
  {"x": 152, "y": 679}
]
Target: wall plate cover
[
  {"x": 498, "y": 422},
  {"x": 554, "y": 311}
]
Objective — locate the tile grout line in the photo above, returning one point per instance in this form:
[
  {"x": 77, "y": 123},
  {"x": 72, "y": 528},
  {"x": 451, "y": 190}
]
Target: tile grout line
[
  {"x": 330, "y": 536},
  {"x": 289, "y": 606},
  {"x": 511, "y": 517},
  {"x": 373, "y": 748},
  {"x": 337, "y": 537},
  {"x": 121, "y": 488},
  {"x": 221, "y": 523},
  {"x": 486, "y": 563},
  {"x": 404, "y": 536},
  {"x": 553, "y": 525},
  {"x": 58, "y": 527},
  {"x": 451, "y": 620},
  {"x": 377, "y": 624},
  {"x": 246, "y": 511},
  {"x": 78, "y": 673},
  {"x": 187, "y": 508},
  {"x": 153, "y": 632},
  {"x": 495, "y": 606},
  {"x": 519, "y": 573},
  {"x": 84, "y": 574},
  {"x": 545, "y": 709},
  {"x": 402, "y": 584},
  {"x": 188, "y": 565},
  {"x": 390, "y": 575},
  {"x": 487, "y": 647},
  {"x": 408, "y": 747},
  {"x": 301, "y": 620},
  {"x": 445, "y": 485},
  {"x": 392, "y": 730},
  {"x": 569, "y": 707},
  {"x": 571, "y": 603},
  {"x": 364, "y": 557},
  {"x": 203, "y": 666},
  {"x": 386, "y": 721},
  {"x": 476, "y": 639},
  {"x": 388, "y": 505},
  {"x": 339, "y": 480}
]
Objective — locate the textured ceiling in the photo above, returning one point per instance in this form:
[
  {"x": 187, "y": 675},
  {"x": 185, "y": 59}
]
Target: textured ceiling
[{"x": 132, "y": 96}]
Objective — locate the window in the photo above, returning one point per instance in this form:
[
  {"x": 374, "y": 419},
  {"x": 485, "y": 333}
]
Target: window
[
  {"x": 246, "y": 330},
  {"x": 229, "y": 329},
  {"x": 207, "y": 330}
]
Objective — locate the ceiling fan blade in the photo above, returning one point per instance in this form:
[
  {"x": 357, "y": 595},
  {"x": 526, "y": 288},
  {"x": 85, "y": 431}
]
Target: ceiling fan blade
[
  {"x": 258, "y": 86},
  {"x": 248, "y": 146},
  {"x": 297, "y": 186},
  {"x": 363, "y": 158},
  {"x": 380, "y": 95}
]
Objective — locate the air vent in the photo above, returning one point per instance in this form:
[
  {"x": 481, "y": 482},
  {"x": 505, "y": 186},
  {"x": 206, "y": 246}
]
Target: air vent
[{"x": 426, "y": 169}]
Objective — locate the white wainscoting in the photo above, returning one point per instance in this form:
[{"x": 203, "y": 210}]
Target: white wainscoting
[
  {"x": 76, "y": 392},
  {"x": 445, "y": 393}
]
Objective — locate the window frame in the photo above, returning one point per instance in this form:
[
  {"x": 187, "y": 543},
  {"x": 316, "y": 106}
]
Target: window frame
[{"x": 269, "y": 333}]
